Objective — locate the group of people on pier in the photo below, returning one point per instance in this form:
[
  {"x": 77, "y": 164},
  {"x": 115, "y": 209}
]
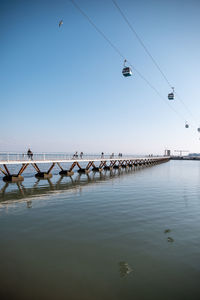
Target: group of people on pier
[{"x": 75, "y": 155}]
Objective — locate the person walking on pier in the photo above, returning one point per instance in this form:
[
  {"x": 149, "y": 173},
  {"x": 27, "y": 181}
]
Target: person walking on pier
[
  {"x": 102, "y": 155},
  {"x": 81, "y": 155},
  {"x": 75, "y": 155},
  {"x": 30, "y": 154},
  {"x": 112, "y": 155}
]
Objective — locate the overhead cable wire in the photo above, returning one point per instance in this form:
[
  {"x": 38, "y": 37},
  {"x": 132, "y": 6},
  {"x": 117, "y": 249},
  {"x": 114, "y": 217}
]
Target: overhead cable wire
[
  {"x": 122, "y": 56},
  {"x": 149, "y": 54},
  {"x": 141, "y": 42},
  {"x": 183, "y": 103},
  {"x": 156, "y": 91}
]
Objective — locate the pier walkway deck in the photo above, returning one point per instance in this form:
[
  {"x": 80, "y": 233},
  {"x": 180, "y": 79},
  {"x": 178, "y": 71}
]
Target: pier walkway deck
[{"x": 84, "y": 164}]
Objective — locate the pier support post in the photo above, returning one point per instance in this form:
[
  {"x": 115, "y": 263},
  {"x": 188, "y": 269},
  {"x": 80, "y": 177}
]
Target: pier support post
[
  {"x": 96, "y": 169},
  {"x": 65, "y": 172},
  {"x": 43, "y": 175},
  {"x": 117, "y": 167},
  {"x": 12, "y": 177},
  {"x": 84, "y": 170},
  {"x": 108, "y": 168}
]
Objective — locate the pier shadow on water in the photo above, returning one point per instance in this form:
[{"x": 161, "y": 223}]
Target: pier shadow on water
[{"x": 24, "y": 191}]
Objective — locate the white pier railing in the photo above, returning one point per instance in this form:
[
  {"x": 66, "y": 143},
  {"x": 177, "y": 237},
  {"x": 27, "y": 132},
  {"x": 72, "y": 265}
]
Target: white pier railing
[{"x": 14, "y": 156}]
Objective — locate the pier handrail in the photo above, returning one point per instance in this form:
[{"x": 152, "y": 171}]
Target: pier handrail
[{"x": 44, "y": 156}]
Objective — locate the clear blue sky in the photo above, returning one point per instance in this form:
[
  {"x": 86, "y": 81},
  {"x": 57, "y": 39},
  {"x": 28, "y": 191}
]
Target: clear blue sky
[{"x": 62, "y": 88}]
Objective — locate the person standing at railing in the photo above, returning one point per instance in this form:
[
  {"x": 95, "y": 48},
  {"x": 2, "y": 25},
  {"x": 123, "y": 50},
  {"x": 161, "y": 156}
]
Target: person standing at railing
[
  {"x": 102, "y": 155},
  {"x": 30, "y": 154},
  {"x": 81, "y": 155}
]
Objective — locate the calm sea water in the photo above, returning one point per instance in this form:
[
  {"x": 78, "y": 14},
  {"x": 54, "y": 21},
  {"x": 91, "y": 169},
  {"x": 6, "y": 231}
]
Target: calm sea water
[{"x": 103, "y": 237}]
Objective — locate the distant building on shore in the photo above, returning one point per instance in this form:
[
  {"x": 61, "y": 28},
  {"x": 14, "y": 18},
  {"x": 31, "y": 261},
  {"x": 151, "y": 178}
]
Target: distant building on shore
[
  {"x": 167, "y": 152},
  {"x": 194, "y": 154}
]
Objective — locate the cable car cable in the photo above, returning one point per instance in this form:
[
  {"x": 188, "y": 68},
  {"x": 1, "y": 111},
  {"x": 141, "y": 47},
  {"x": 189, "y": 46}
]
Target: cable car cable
[
  {"x": 97, "y": 29},
  {"x": 189, "y": 111},
  {"x": 141, "y": 42},
  {"x": 122, "y": 56},
  {"x": 149, "y": 54}
]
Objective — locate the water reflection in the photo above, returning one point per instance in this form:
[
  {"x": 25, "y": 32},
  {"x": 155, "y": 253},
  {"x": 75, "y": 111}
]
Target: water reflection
[
  {"x": 12, "y": 192},
  {"x": 124, "y": 269},
  {"x": 167, "y": 230},
  {"x": 170, "y": 239},
  {"x": 29, "y": 204}
]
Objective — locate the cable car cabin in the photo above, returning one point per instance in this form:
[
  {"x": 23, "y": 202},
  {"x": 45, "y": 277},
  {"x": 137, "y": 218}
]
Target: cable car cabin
[
  {"x": 171, "y": 96},
  {"x": 126, "y": 72},
  {"x": 186, "y": 126}
]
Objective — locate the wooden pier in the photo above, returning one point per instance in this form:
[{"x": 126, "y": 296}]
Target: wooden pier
[{"x": 85, "y": 165}]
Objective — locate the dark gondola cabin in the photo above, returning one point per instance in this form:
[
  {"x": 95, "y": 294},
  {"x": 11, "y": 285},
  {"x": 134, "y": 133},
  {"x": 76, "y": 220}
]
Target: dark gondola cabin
[
  {"x": 186, "y": 125},
  {"x": 126, "y": 72},
  {"x": 171, "y": 96}
]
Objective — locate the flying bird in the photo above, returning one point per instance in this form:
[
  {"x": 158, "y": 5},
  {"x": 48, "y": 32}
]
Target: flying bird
[{"x": 60, "y": 23}]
